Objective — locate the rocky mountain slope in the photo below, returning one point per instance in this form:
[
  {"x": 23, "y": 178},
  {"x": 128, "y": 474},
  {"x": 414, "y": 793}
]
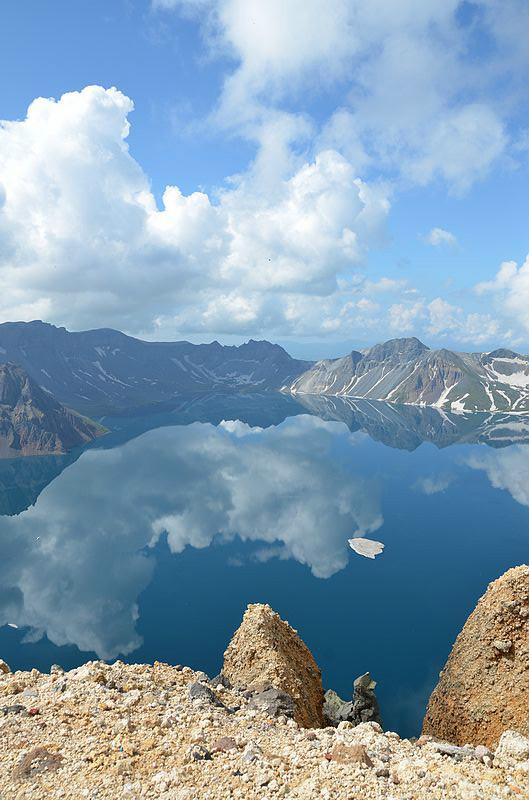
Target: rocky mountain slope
[
  {"x": 406, "y": 371},
  {"x": 32, "y": 422},
  {"x": 168, "y": 733},
  {"x": 407, "y": 426},
  {"x": 105, "y": 369},
  {"x": 484, "y": 687}
]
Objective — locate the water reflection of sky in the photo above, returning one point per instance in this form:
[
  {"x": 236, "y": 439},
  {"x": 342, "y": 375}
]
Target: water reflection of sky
[{"x": 151, "y": 549}]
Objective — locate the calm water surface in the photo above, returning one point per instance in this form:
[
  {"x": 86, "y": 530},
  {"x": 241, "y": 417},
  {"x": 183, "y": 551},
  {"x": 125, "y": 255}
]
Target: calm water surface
[{"x": 150, "y": 544}]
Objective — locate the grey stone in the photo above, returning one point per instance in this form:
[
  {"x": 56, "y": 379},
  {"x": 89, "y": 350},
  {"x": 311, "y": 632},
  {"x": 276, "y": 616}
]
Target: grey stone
[
  {"x": 199, "y": 753},
  {"x": 365, "y": 706},
  {"x": 199, "y": 691},
  {"x": 273, "y": 702},
  {"x": 453, "y": 750},
  {"x": 221, "y": 680}
]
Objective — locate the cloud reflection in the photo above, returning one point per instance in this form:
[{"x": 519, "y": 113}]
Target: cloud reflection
[{"x": 285, "y": 488}]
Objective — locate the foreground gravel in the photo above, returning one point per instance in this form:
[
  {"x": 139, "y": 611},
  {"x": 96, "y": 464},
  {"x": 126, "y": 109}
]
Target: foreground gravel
[{"x": 133, "y": 731}]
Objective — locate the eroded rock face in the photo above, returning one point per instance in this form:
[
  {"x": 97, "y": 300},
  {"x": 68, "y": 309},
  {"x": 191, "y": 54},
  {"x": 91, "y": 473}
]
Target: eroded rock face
[
  {"x": 32, "y": 422},
  {"x": 266, "y": 651},
  {"x": 484, "y": 687}
]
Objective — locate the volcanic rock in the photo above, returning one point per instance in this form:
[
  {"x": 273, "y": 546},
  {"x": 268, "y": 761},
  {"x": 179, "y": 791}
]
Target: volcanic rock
[
  {"x": 484, "y": 688},
  {"x": 266, "y": 651}
]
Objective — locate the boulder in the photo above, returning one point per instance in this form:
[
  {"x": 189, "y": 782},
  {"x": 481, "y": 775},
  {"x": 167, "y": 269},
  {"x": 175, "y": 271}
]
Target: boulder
[
  {"x": 266, "y": 652},
  {"x": 483, "y": 689},
  {"x": 362, "y": 708},
  {"x": 512, "y": 747},
  {"x": 365, "y": 704}
]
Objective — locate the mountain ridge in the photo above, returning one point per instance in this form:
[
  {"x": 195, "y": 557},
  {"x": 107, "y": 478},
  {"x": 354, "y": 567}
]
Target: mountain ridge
[
  {"x": 408, "y": 372},
  {"x": 104, "y": 369}
]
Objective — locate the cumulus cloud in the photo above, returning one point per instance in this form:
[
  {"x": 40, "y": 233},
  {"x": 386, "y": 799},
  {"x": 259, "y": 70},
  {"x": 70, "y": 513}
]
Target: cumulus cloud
[
  {"x": 511, "y": 286},
  {"x": 445, "y": 318},
  {"x": 79, "y": 581},
  {"x": 82, "y": 241},
  {"x": 439, "y": 236},
  {"x": 506, "y": 469},
  {"x": 415, "y": 93}
]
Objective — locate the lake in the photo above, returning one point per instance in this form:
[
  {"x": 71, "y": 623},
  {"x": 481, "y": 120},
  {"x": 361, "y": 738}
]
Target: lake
[{"x": 149, "y": 544}]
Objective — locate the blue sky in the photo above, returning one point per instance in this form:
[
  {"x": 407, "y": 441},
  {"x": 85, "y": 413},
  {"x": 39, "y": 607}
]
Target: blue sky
[{"x": 346, "y": 171}]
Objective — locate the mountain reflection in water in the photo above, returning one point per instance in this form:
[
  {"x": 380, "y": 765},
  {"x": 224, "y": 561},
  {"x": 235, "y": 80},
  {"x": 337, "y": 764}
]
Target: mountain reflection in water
[{"x": 150, "y": 543}]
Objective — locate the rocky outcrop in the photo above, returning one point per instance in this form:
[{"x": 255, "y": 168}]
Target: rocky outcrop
[
  {"x": 483, "y": 690},
  {"x": 32, "y": 422},
  {"x": 362, "y": 708},
  {"x": 266, "y": 652}
]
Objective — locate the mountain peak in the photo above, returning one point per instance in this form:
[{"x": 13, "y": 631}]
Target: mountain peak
[{"x": 405, "y": 348}]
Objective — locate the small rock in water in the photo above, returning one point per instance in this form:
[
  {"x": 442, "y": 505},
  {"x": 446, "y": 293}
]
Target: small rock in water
[
  {"x": 366, "y": 547},
  {"x": 5, "y": 669}
]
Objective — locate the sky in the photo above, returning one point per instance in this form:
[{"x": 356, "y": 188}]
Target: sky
[{"x": 322, "y": 173}]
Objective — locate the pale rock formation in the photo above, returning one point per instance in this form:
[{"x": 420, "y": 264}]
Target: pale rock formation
[{"x": 266, "y": 652}]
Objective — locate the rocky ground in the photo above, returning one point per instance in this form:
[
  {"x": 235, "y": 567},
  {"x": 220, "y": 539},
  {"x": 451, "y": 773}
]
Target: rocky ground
[
  {"x": 261, "y": 729},
  {"x": 136, "y": 731}
]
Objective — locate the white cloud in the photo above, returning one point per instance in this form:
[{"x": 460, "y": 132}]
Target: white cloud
[
  {"x": 506, "y": 469},
  {"x": 83, "y": 243},
  {"x": 416, "y": 96},
  {"x": 511, "y": 285},
  {"x": 403, "y": 317},
  {"x": 433, "y": 484},
  {"x": 445, "y": 318},
  {"x": 439, "y": 236}
]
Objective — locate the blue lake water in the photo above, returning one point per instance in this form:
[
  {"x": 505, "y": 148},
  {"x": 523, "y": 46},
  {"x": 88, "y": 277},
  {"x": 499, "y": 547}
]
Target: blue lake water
[{"x": 150, "y": 544}]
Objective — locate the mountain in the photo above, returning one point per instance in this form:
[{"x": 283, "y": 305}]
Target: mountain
[
  {"x": 405, "y": 427},
  {"x": 32, "y": 422},
  {"x": 105, "y": 369},
  {"x": 406, "y": 371}
]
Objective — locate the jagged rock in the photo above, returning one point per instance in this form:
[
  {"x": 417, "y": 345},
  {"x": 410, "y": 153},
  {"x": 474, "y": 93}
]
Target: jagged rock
[
  {"x": 334, "y": 708},
  {"x": 365, "y": 706},
  {"x": 265, "y": 650},
  {"x": 453, "y": 750},
  {"x": 272, "y": 701},
  {"x": 483, "y": 689},
  {"x": 5, "y": 669},
  {"x": 220, "y": 680},
  {"x": 199, "y": 691}
]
